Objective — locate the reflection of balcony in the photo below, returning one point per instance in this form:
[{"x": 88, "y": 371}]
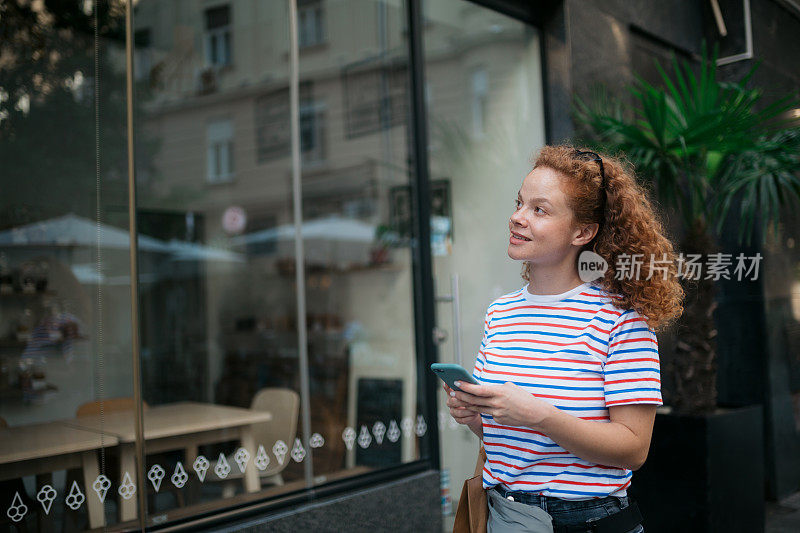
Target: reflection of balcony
[
  {"x": 207, "y": 81},
  {"x": 326, "y": 190}
]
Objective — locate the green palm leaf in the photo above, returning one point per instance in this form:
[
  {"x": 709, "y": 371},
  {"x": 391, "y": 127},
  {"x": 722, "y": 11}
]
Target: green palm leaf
[{"x": 704, "y": 144}]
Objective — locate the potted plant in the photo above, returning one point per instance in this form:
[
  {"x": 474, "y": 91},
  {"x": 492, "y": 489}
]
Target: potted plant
[{"x": 706, "y": 148}]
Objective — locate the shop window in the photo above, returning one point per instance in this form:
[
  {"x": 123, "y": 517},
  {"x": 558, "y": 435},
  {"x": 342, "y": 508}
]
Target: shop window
[{"x": 221, "y": 342}]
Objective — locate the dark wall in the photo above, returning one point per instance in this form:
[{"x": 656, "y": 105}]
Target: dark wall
[
  {"x": 409, "y": 504},
  {"x": 587, "y": 43}
]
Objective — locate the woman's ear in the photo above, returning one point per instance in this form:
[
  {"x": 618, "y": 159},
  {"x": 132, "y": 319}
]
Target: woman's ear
[{"x": 586, "y": 234}]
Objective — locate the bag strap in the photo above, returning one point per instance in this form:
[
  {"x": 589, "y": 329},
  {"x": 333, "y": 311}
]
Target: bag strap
[{"x": 481, "y": 461}]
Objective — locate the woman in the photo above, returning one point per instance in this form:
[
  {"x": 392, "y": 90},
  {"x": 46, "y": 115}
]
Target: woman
[{"x": 568, "y": 368}]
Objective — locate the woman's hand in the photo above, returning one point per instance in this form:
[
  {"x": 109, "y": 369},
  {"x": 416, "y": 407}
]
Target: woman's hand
[
  {"x": 509, "y": 404},
  {"x": 463, "y": 415}
]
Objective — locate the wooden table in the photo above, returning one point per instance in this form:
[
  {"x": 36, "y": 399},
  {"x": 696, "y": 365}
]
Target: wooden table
[
  {"x": 40, "y": 449},
  {"x": 183, "y": 425}
]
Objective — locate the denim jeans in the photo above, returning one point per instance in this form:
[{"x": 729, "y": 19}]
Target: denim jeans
[{"x": 566, "y": 512}]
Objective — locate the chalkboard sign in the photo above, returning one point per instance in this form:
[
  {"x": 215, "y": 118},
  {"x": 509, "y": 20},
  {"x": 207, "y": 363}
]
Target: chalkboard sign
[{"x": 378, "y": 400}]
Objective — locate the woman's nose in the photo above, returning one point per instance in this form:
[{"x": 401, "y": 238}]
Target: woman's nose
[{"x": 517, "y": 217}]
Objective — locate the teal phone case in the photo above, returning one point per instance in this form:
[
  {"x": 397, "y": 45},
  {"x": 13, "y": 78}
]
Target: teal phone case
[{"x": 449, "y": 373}]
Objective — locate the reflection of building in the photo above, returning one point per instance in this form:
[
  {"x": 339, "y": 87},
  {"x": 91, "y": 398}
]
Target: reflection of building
[{"x": 220, "y": 309}]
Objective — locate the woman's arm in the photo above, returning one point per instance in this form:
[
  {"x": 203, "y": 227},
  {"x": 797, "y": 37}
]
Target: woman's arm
[{"x": 623, "y": 442}]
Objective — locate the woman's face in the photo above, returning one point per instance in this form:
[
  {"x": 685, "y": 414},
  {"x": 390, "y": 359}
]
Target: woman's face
[{"x": 543, "y": 220}]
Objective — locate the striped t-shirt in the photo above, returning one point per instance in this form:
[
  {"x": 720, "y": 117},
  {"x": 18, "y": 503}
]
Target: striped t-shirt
[{"x": 578, "y": 352}]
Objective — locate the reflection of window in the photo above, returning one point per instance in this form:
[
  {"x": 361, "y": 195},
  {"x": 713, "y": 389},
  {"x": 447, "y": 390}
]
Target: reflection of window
[
  {"x": 375, "y": 97},
  {"x": 218, "y": 36},
  {"x": 142, "y": 56},
  {"x": 272, "y": 125},
  {"x": 273, "y": 134},
  {"x": 401, "y": 215},
  {"x": 220, "y": 151},
  {"x": 258, "y": 223},
  {"x": 310, "y": 23},
  {"x": 480, "y": 94},
  {"x": 312, "y": 126}
]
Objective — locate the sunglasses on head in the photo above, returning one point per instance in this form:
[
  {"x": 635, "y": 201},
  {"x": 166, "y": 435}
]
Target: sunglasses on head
[{"x": 591, "y": 156}]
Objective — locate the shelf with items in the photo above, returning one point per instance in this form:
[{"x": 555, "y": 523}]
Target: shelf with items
[
  {"x": 23, "y": 379},
  {"x": 12, "y": 343},
  {"x": 17, "y": 295}
]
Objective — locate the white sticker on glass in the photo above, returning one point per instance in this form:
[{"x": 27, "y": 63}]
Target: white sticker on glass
[
  {"x": 316, "y": 441},
  {"x": 349, "y": 437},
  {"x": 101, "y": 485},
  {"x": 364, "y": 438},
  {"x": 406, "y": 424},
  {"x": 128, "y": 488},
  {"x": 155, "y": 475},
  {"x": 298, "y": 452},
  {"x": 379, "y": 430},
  {"x": 75, "y": 498},
  {"x": 18, "y": 510},
  {"x": 394, "y": 432},
  {"x": 421, "y": 426},
  {"x": 46, "y": 496},
  {"x": 280, "y": 449},
  {"x": 242, "y": 457},
  {"x": 262, "y": 459},
  {"x": 179, "y": 476},
  {"x": 222, "y": 468},
  {"x": 200, "y": 466}
]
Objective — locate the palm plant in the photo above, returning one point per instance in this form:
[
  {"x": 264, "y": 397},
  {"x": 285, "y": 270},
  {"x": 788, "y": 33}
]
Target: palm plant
[{"x": 706, "y": 148}]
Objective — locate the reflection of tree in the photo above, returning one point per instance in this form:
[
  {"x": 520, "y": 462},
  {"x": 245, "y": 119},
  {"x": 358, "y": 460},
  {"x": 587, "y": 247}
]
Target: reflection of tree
[
  {"x": 47, "y": 108},
  {"x": 507, "y": 141}
]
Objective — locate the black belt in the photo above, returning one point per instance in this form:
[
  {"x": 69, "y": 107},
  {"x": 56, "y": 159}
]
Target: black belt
[{"x": 619, "y": 522}]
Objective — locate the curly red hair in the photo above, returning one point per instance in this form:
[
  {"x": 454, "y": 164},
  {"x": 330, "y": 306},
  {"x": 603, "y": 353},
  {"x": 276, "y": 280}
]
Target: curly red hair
[{"x": 630, "y": 227}]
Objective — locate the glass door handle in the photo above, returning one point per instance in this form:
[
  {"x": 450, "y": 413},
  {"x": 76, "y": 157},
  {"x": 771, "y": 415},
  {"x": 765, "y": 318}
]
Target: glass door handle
[{"x": 439, "y": 336}]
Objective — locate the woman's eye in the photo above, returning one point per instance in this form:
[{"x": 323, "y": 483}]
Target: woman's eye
[{"x": 539, "y": 209}]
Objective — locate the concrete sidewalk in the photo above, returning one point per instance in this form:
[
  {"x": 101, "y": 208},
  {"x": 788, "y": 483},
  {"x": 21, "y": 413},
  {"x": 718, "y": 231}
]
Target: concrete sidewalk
[{"x": 784, "y": 516}]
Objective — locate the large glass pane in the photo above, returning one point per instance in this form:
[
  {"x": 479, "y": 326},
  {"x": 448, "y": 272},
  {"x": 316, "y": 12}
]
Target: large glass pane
[
  {"x": 218, "y": 307},
  {"x": 65, "y": 329},
  {"x": 354, "y": 106},
  {"x": 484, "y": 95}
]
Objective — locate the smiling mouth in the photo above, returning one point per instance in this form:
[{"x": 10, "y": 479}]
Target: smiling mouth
[{"x": 519, "y": 237}]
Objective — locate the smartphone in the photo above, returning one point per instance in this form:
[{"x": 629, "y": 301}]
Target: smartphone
[{"x": 449, "y": 373}]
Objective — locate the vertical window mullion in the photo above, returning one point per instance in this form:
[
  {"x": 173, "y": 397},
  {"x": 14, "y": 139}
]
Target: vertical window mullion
[{"x": 302, "y": 331}]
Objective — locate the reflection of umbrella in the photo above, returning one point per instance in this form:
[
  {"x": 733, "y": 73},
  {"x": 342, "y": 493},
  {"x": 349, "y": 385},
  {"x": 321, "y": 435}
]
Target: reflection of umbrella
[
  {"x": 332, "y": 239},
  {"x": 72, "y": 230},
  {"x": 87, "y": 274},
  {"x": 190, "y": 251}
]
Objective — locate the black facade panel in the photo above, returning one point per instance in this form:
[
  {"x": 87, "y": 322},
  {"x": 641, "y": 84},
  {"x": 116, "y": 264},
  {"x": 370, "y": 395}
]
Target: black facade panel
[{"x": 408, "y": 504}]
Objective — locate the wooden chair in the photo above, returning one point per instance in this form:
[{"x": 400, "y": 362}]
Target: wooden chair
[{"x": 284, "y": 404}]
